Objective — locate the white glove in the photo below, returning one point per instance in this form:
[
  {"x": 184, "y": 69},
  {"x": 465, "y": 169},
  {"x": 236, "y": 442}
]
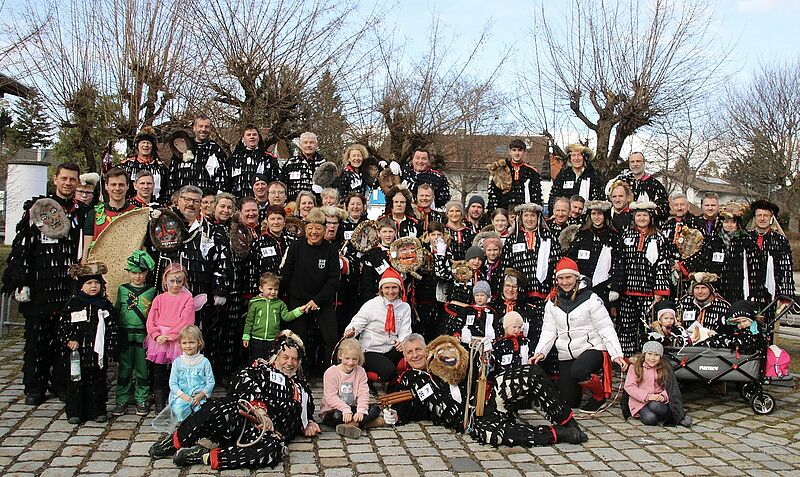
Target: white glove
[
  {"x": 487, "y": 344},
  {"x": 389, "y": 417},
  {"x": 466, "y": 335},
  {"x": 613, "y": 296},
  {"x": 220, "y": 300},
  {"x": 383, "y": 164},
  {"x": 23, "y": 295},
  {"x": 395, "y": 167}
]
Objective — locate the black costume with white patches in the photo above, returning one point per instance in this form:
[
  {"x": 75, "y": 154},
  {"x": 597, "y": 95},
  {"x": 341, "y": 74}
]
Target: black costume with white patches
[
  {"x": 592, "y": 247},
  {"x": 648, "y": 189},
  {"x": 245, "y": 164},
  {"x": 510, "y": 351},
  {"x": 42, "y": 264},
  {"x": 566, "y": 184},
  {"x": 460, "y": 241},
  {"x": 738, "y": 263},
  {"x": 778, "y": 265},
  {"x": 470, "y": 321},
  {"x": 526, "y": 187},
  {"x": 298, "y": 173},
  {"x": 520, "y": 255},
  {"x": 161, "y": 181},
  {"x": 208, "y": 170},
  {"x": 432, "y": 177},
  {"x": 288, "y": 404},
  {"x": 710, "y": 314},
  {"x": 350, "y": 180}
]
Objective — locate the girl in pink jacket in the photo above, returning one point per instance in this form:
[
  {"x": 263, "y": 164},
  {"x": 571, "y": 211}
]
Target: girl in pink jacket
[
  {"x": 171, "y": 311},
  {"x": 646, "y": 382}
]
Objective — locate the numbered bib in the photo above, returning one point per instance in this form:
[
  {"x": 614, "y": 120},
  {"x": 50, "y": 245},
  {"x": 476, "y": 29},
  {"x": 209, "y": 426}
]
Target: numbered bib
[
  {"x": 236, "y": 172},
  {"x": 294, "y": 175},
  {"x": 277, "y": 378},
  {"x": 569, "y": 184},
  {"x": 424, "y": 392},
  {"x": 382, "y": 267},
  {"x": 268, "y": 252},
  {"x": 518, "y": 248},
  {"x": 718, "y": 257},
  {"x": 583, "y": 254},
  {"x": 348, "y": 235},
  {"x": 78, "y": 316},
  {"x": 506, "y": 359},
  {"x": 688, "y": 316},
  {"x": 629, "y": 241},
  {"x": 470, "y": 320}
]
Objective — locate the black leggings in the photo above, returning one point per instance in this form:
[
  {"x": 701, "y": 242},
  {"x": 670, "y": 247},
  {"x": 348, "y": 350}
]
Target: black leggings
[
  {"x": 574, "y": 371},
  {"x": 383, "y": 364},
  {"x": 333, "y": 418},
  {"x": 653, "y": 413}
]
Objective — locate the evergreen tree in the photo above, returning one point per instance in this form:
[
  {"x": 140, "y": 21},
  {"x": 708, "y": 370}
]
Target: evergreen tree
[
  {"x": 324, "y": 116},
  {"x": 31, "y": 126}
]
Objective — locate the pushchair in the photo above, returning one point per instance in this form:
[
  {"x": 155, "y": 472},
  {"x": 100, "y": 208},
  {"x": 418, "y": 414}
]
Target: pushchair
[{"x": 714, "y": 365}]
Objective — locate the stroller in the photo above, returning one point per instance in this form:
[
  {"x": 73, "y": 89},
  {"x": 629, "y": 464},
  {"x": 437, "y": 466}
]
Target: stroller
[{"x": 713, "y": 365}]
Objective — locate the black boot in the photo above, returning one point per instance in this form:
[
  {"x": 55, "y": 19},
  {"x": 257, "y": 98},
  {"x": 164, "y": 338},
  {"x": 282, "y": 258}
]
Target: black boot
[
  {"x": 187, "y": 456},
  {"x": 570, "y": 433},
  {"x": 163, "y": 447},
  {"x": 159, "y": 400}
]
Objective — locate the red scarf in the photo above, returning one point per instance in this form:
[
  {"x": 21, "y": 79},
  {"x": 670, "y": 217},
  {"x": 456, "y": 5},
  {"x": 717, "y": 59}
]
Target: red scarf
[
  {"x": 510, "y": 305},
  {"x": 390, "y": 325},
  {"x": 530, "y": 239}
]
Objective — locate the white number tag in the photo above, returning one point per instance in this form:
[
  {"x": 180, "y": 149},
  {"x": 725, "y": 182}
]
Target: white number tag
[
  {"x": 236, "y": 172},
  {"x": 277, "y": 378},
  {"x": 569, "y": 184},
  {"x": 688, "y": 316},
  {"x": 46, "y": 239},
  {"x": 382, "y": 267},
  {"x": 518, "y": 247},
  {"x": 348, "y": 235},
  {"x": 294, "y": 175},
  {"x": 424, "y": 392},
  {"x": 629, "y": 241},
  {"x": 506, "y": 359},
  {"x": 470, "y": 320},
  {"x": 78, "y": 316},
  {"x": 268, "y": 252},
  {"x": 583, "y": 254},
  {"x": 718, "y": 257}
]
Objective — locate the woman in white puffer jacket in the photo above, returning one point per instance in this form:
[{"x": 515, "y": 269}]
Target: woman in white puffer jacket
[{"x": 577, "y": 322}]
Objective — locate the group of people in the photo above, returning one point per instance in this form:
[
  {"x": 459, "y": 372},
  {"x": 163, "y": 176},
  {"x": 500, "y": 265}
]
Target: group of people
[{"x": 243, "y": 248}]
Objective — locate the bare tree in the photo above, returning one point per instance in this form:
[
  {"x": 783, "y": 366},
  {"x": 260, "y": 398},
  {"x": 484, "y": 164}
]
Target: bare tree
[
  {"x": 261, "y": 59},
  {"x": 761, "y": 128},
  {"x": 417, "y": 98},
  {"x": 618, "y": 66},
  {"x": 107, "y": 62}
]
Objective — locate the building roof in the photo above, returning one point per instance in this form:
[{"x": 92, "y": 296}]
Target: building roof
[
  {"x": 13, "y": 87},
  {"x": 476, "y": 151},
  {"x": 32, "y": 155}
]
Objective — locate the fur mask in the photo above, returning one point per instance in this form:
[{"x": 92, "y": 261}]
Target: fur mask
[
  {"x": 690, "y": 242},
  {"x": 295, "y": 227},
  {"x": 50, "y": 218},
  {"x": 567, "y": 235},
  {"x": 501, "y": 175},
  {"x": 324, "y": 176},
  {"x": 447, "y": 359},
  {"x": 406, "y": 255},
  {"x": 387, "y": 180},
  {"x": 461, "y": 271},
  {"x": 167, "y": 230},
  {"x": 365, "y": 236}
]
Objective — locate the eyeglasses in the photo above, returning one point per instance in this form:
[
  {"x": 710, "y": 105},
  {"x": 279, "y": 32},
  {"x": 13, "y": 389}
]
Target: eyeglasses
[{"x": 190, "y": 200}]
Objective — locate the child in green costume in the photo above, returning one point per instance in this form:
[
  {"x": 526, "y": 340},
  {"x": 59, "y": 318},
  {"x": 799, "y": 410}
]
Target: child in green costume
[
  {"x": 264, "y": 315},
  {"x": 133, "y": 304}
]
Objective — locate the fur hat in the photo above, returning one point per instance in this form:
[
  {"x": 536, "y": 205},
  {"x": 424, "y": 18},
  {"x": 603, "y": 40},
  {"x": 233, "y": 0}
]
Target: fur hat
[
  {"x": 324, "y": 176},
  {"x": 88, "y": 269},
  {"x": 474, "y": 252},
  {"x": 387, "y": 179},
  {"x": 90, "y": 179},
  {"x": 704, "y": 278},
  {"x": 732, "y": 210},
  {"x": 567, "y": 235},
  {"x": 653, "y": 347},
  {"x": 587, "y": 151},
  {"x": 315, "y": 216},
  {"x": 512, "y": 318},
  {"x": 643, "y": 205},
  {"x": 601, "y": 205},
  {"x": 147, "y": 133},
  {"x": 529, "y": 207},
  {"x": 567, "y": 266},
  {"x": 295, "y": 226},
  {"x": 481, "y": 236},
  {"x": 482, "y": 287},
  {"x": 333, "y": 211}
]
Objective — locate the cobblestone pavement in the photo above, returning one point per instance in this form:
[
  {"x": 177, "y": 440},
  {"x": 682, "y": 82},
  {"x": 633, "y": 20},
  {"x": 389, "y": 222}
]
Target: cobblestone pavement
[{"x": 727, "y": 439}]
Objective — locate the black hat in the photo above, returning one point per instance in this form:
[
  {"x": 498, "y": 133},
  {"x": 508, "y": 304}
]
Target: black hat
[
  {"x": 474, "y": 251},
  {"x": 147, "y": 133},
  {"x": 260, "y": 177},
  {"x": 765, "y": 205},
  {"x": 664, "y": 306},
  {"x": 742, "y": 308},
  {"x": 476, "y": 199}
]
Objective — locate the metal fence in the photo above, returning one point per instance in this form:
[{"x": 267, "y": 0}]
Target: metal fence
[{"x": 8, "y": 311}]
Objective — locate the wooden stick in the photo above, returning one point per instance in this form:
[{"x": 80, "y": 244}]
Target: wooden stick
[{"x": 394, "y": 398}]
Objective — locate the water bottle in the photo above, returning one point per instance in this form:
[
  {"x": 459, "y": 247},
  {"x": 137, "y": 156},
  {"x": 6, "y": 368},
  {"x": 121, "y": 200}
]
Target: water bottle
[{"x": 75, "y": 366}]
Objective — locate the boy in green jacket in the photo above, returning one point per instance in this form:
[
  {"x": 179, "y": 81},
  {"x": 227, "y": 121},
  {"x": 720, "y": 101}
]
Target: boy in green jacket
[
  {"x": 264, "y": 315},
  {"x": 133, "y": 304}
]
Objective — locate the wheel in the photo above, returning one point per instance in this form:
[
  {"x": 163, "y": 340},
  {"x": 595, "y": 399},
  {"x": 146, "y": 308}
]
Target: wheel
[
  {"x": 762, "y": 403},
  {"x": 746, "y": 390}
]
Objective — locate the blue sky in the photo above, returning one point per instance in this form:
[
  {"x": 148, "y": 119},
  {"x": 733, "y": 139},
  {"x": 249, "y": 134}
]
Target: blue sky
[{"x": 757, "y": 30}]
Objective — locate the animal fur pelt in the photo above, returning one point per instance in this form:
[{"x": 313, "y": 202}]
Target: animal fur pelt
[
  {"x": 567, "y": 235},
  {"x": 461, "y": 271},
  {"x": 483, "y": 235},
  {"x": 501, "y": 175},
  {"x": 49, "y": 217},
  {"x": 690, "y": 242},
  {"x": 88, "y": 269},
  {"x": 325, "y": 174},
  {"x": 239, "y": 237},
  {"x": 387, "y": 180}
]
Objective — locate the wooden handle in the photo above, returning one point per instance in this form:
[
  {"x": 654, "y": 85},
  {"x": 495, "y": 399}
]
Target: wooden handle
[{"x": 394, "y": 398}]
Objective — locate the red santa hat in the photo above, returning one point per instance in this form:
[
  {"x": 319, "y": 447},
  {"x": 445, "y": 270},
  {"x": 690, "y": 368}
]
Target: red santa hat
[
  {"x": 567, "y": 266},
  {"x": 392, "y": 276}
]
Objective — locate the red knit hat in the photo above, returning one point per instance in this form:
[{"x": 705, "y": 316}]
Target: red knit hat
[
  {"x": 567, "y": 266},
  {"x": 392, "y": 276}
]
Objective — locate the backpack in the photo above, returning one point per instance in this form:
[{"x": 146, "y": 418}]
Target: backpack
[{"x": 777, "y": 362}]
